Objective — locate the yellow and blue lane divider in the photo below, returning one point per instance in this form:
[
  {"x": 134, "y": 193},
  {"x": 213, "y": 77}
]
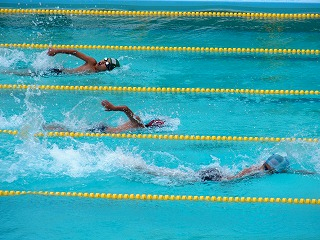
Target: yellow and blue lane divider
[
  {"x": 224, "y": 50},
  {"x": 124, "y": 13},
  {"x": 156, "y": 197},
  {"x": 212, "y": 138},
  {"x": 296, "y": 92}
]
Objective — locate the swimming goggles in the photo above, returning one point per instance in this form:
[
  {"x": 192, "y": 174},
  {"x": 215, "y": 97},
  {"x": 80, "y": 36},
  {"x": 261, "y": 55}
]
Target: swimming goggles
[
  {"x": 108, "y": 65},
  {"x": 267, "y": 168}
]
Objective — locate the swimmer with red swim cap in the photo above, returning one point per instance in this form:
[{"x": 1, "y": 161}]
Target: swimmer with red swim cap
[{"x": 134, "y": 121}]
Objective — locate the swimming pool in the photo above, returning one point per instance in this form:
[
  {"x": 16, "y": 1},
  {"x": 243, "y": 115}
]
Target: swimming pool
[{"x": 109, "y": 164}]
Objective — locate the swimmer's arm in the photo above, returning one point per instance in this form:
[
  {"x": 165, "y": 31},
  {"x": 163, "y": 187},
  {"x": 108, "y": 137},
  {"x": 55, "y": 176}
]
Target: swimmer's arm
[
  {"x": 244, "y": 172},
  {"x": 110, "y": 107},
  {"x": 87, "y": 59}
]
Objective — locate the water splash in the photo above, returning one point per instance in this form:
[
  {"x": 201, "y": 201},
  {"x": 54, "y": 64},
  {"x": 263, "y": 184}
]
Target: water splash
[
  {"x": 13, "y": 61},
  {"x": 10, "y": 58},
  {"x": 42, "y": 62},
  {"x": 38, "y": 159},
  {"x": 32, "y": 118}
]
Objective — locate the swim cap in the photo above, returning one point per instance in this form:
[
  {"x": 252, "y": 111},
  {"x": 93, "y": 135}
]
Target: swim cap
[
  {"x": 113, "y": 63},
  {"x": 155, "y": 123},
  {"x": 278, "y": 163}
]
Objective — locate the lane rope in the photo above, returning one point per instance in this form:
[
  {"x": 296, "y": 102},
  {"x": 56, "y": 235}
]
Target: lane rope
[
  {"x": 145, "y": 197},
  {"x": 285, "y": 51},
  {"x": 162, "y": 89},
  {"x": 165, "y": 136},
  {"x": 162, "y": 13}
]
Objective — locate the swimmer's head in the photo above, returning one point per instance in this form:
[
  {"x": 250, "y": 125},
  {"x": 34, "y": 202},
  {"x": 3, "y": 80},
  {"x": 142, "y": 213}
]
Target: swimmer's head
[
  {"x": 276, "y": 163},
  {"x": 155, "y": 123},
  {"x": 107, "y": 64},
  {"x": 210, "y": 174}
]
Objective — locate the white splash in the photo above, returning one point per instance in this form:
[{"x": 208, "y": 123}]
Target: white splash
[{"x": 11, "y": 57}]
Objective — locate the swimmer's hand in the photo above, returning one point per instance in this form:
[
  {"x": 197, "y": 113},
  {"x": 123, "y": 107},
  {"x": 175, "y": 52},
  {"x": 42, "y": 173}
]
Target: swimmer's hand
[
  {"x": 52, "y": 52},
  {"x": 108, "y": 106},
  {"x": 135, "y": 120}
]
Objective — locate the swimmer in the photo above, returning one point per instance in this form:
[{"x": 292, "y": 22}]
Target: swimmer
[
  {"x": 274, "y": 164},
  {"x": 90, "y": 65},
  {"x": 134, "y": 122}
]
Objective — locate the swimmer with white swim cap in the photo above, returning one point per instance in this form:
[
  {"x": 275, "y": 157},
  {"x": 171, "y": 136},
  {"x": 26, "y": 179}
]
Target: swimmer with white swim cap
[{"x": 90, "y": 65}]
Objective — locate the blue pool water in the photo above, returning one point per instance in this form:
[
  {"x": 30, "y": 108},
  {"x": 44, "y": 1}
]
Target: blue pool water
[{"x": 110, "y": 165}]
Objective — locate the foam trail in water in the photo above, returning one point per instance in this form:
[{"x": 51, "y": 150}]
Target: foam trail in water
[
  {"x": 13, "y": 61},
  {"x": 36, "y": 159},
  {"x": 90, "y": 158}
]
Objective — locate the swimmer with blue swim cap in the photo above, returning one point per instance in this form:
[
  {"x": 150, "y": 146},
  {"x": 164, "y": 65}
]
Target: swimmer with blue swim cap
[{"x": 274, "y": 164}]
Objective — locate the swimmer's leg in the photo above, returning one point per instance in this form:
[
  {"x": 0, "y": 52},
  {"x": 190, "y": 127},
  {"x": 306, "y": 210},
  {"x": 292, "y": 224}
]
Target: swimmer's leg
[
  {"x": 100, "y": 128},
  {"x": 55, "y": 127},
  {"x": 18, "y": 73}
]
